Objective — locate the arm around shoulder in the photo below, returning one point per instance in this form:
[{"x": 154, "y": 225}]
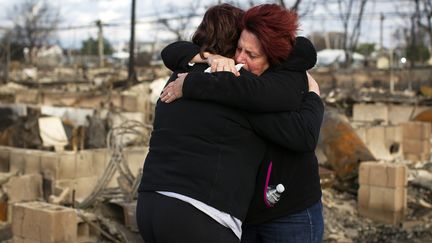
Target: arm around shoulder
[
  {"x": 176, "y": 56},
  {"x": 295, "y": 130},
  {"x": 271, "y": 92}
]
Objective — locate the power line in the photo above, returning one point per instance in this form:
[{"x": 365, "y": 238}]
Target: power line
[{"x": 311, "y": 17}]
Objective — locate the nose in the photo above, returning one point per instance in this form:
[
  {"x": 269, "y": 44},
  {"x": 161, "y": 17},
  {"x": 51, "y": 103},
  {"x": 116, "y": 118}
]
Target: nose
[{"x": 240, "y": 58}]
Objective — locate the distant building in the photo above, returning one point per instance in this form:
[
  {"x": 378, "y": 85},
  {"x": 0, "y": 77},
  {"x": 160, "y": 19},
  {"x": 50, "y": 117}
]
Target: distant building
[
  {"x": 336, "y": 57},
  {"x": 48, "y": 55},
  {"x": 146, "y": 52},
  {"x": 382, "y": 60}
]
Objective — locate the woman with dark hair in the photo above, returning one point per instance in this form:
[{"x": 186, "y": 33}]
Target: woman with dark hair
[
  {"x": 199, "y": 174},
  {"x": 266, "y": 47},
  {"x": 183, "y": 187}
]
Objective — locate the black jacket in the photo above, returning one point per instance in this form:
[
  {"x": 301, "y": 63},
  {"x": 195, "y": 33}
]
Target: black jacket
[{"x": 208, "y": 152}]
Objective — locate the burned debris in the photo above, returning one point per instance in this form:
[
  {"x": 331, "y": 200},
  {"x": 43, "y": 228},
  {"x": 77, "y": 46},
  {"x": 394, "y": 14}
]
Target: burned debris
[
  {"x": 65, "y": 161},
  {"x": 75, "y": 128}
]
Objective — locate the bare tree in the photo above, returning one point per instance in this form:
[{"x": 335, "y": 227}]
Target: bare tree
[
  {"x": 415, "y": 34},
  {"x": 180, "y": 19},
  {"x": 300, "y": 6},
  {"x": 351, "y": 14},
  {"x": 5, "y": 56},
  {"x": 423, "y": 15},
  {"x": 35, "y": 22}
]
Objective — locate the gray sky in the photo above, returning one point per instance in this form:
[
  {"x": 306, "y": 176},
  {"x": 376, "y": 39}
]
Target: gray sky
[{"x": 86, "y": 12}]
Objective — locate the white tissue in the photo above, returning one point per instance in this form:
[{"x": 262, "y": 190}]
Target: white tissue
[{"x": 238, "y": 67}]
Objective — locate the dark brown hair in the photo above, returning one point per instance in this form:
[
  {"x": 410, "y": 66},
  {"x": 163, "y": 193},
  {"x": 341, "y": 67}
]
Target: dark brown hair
[
  {"x": 219, "y": 30},
  {"x": 275, "y": 27}
]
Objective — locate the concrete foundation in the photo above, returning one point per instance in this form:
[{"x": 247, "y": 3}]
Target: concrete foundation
[{"x": 385, "y": 113}]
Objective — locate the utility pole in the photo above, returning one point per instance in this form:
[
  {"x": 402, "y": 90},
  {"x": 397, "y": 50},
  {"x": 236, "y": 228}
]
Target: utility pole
[
  {"x": 131, "y": 70},
  {"x": 100, "y": 43},
  {"x": 381, "y": 30}
]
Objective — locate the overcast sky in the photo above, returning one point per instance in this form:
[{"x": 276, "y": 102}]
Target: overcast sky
[{"x": 86, "y": 12}]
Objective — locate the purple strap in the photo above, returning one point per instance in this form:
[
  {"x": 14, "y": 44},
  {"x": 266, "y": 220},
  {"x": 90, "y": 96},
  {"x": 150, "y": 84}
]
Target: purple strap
[{"x": 266, "y": 185}]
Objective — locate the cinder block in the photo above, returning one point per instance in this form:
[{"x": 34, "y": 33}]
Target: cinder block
[
  {"x": 24, "y": 188},
  {"x": 135, "y": 157},
  {"x": 382, "y": 198},
  {"x": 370, "y": 112},
  {"x": 17, "y": 162},
  {"x": 100, "y": 161},
  {"x": 414, "y": 146},
  {"x": 85, "y": 232},
  {"x": 416, "y": 130},
  {"x": 84, "y": 164},
  {"x": 383, "y": 174},
  {"x": 376, "y": 141},
  {"x": 394, "y": 133},
  {"x": 17, "y": 239},
  {"x": 380, "y": 139},
  {"x": 26, "y": 96},
  {"x": 387, "y": 217},
  {"x": 84, "y": 186},
  {"x": 67, "y": 167},
  {"x": 129, "y": 103},
  {"x": 49, "y": 165},
  {"x": 17, "y": 221},
  {"x": 403, "y": 113},
  {"x": 361, "y": 132},
  {"x": 31, "y": 222},
  {"x": 59, "y": 166},
  {"x": 23, "y": 240},
  {"x": 25, "y": 160},
  {"x": 32, "y": 161},
  {"x": 49, "y": 223},
  {"x": 4, "y": 159}
]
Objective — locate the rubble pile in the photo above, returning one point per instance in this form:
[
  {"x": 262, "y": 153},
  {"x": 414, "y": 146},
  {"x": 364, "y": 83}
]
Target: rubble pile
[
  {"x": 76, "y": 148},
  {"x": 344, "y": 224},
  {"x": 72, "y": 146}
]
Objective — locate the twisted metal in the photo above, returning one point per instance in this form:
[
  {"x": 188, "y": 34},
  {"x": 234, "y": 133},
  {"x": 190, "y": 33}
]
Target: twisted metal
[{"x": 115, "y": 145}]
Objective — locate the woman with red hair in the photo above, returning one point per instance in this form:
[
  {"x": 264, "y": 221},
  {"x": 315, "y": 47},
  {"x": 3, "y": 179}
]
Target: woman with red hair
[{"x": 267, "y": 42}]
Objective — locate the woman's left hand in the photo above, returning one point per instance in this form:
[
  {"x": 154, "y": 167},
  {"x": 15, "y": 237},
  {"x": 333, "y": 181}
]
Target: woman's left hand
[{"x": 173, "y": 90}]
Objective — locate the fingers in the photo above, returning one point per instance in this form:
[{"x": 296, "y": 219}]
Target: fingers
[
  {"x": 173, "y": 90},
  {"x": 313, "y": 85},
  {"x": 234, "y": 70},
  {"x": 218, "y": 64},
  {"x": 168, "y": 95}
]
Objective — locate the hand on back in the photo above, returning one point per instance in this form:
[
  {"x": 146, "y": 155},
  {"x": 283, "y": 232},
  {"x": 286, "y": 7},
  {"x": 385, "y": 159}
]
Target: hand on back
[
  {"x": 313, "y": 85},
  {"x": 173, "y": 90}
]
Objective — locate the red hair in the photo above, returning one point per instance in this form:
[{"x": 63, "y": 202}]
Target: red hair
[{"x": 275, "y": 27}]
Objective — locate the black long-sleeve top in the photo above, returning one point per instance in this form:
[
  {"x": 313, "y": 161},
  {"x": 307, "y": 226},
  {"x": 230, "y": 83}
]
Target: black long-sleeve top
[{"x": 181, "y": 159}]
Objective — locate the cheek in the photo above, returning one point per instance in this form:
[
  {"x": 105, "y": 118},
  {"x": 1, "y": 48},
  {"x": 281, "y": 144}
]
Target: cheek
[
  {"x": 254, "y": 67},
  {"x": 258, "y": 67}
]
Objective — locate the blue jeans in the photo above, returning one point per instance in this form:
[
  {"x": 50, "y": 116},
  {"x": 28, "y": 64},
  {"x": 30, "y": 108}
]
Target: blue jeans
[{"x": 301, "y": 227}]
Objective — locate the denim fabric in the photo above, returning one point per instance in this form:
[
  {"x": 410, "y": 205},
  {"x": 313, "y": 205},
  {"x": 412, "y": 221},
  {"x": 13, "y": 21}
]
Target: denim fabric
[{"x": 301, "y": 227}]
